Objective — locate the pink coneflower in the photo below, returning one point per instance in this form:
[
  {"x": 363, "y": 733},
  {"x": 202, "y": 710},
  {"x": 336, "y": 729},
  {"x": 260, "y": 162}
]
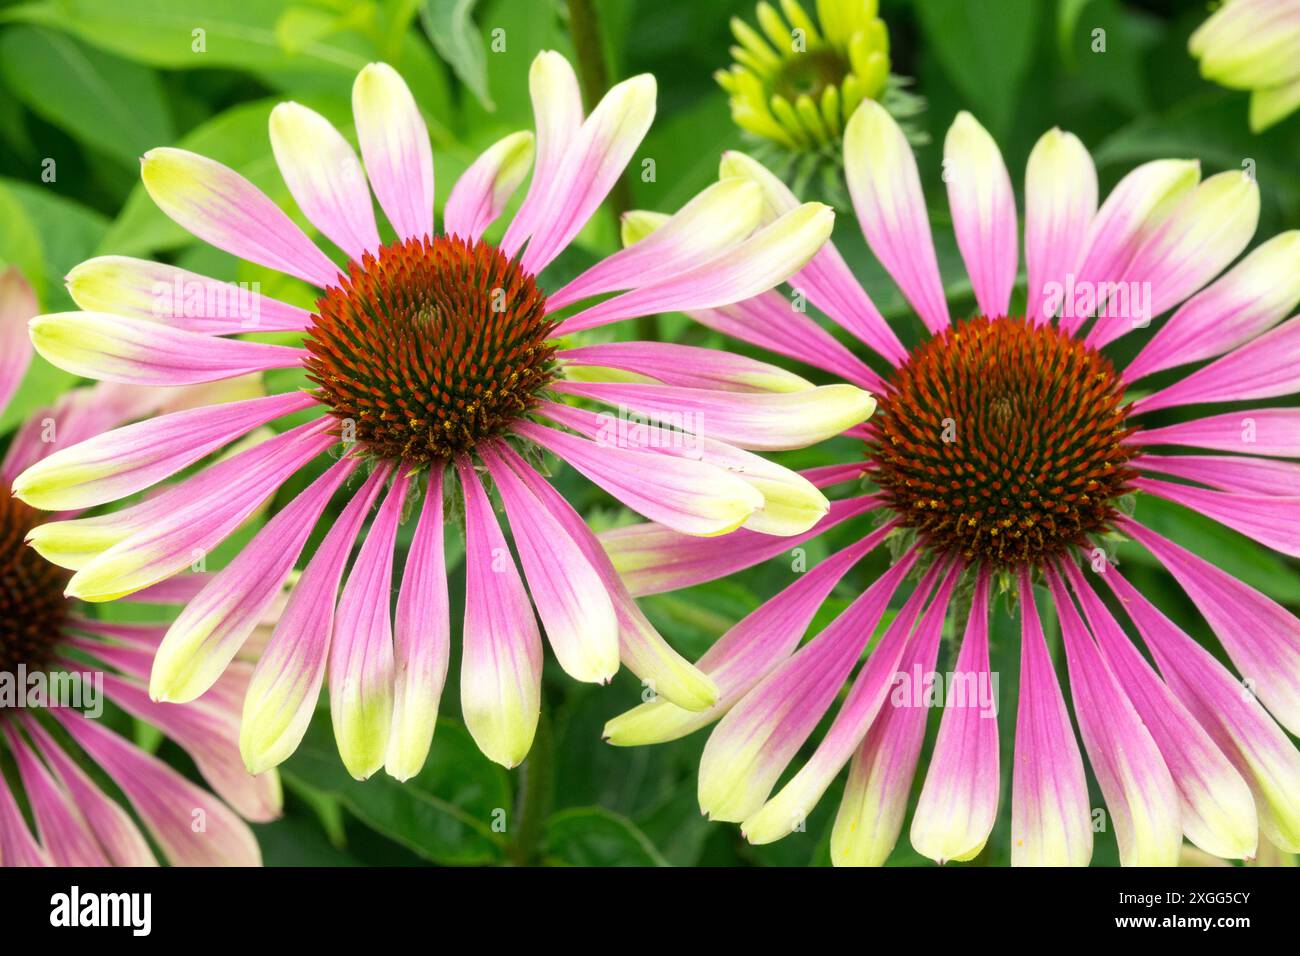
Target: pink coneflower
[
  {"x": 56, "y": 660},
  {"x": 1004, "y": 454},
  {"x": 436, "y": 361}
]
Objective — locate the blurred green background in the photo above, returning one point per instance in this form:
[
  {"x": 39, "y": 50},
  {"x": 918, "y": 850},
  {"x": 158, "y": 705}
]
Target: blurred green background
[{"x": 86, "y": 86}]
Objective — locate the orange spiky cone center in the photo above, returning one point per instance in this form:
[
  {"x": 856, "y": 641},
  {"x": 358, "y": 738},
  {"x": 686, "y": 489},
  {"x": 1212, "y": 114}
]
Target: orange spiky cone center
[
  {"x": 430, "y": 347},
  {"x": 1003, "y": 442}
]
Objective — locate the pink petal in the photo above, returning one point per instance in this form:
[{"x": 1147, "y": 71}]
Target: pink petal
[
  {"x": 1259, "y": 431},
  {"x": 959, "y": 801},
  {"x": 1136, "y": 784},
  {"x": 983, "y": 212},
  {"x": 225, "y": 210},
  {"x": 286, "y": 682},
  {"x": 395, "y": 147},
  {"x": 1060, "y": 203},
  {"x": 1216, "y": 807},
  {"x": 17, "y": 306},
  {"x": 1051, "y": 821},
  {"x": 571, "y": 598},
  {"x": 1272, "y": 521},
  {"x": 1261, "y": 637},
  {"x": 1265, "y": 368},
  {"x": 501, "y": 670},
  {"x": 886, "y": 191},
  {"x": 421, "y": 639},
  {"x": 1234, "y": 473}
]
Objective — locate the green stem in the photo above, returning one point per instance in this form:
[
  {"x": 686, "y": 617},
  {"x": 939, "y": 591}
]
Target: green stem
[
  {"x": 535, "y": 795},
  {"x": 593, "y": 74}
]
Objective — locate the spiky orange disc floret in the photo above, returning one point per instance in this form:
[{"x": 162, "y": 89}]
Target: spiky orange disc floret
[
  {"x": 430, "y": 347},
  {"x": 32, "y": 605},
  {"x": 1002, "y": 441}
]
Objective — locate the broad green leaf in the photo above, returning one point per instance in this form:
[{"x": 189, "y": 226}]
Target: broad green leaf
[
  {"x": 445, "y": 814},
  {"x": 110, "y": 103},
  {"x": 594, "y": 836},
  {"x": 451, "y": 28}
]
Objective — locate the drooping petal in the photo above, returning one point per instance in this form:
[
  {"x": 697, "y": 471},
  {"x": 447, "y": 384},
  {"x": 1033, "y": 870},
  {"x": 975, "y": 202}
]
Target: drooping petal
[
  {"x": 791, "y": 503},
  {"x": 18, "y": 847},
  {"x": 1216, "y": 808},
  {"x": 1194, "y": 243},
  {"x": 225, "y": 210},
  {"x": 115, "y": 831},
  {"x": 361, "y": 667},
  {"x": 1261, "y": 637},
  {"x": 395, "y": 147},
  {"x": 760, "y": 421},
  {"x": 210, "y": 737},
  {"x": 185, "y": 535},
  {"x": 421, "y": 639},
  {"x": 1137, "y": 786},
  {"x": 754, "y": 742},
  {"x": 1267, "y": 367},
  {"x": 1243, "y": 731},
  {"x": 1051, "y": 822},
  {"x": 119, "y": 463},
  {"x": 501, "y": 670},
  {"x": 138, "y": 352},
  {"x": 1245, "y": 302},
  {"x": 688, "y": 496},
  {"x": 890, "y": 737},
  {"x": 192, "y": 826},
  {"x": 325, "y": 178},
  {"x": 286, "y": 683},
  {"x": 983, "y": 212},
  {"x": 572, "y": 601},
  {"x": 1060, "y": 203},
  {"x": 60, "y": 828},
  {"x": 141, "y": 289},
  {"x": 1268, "y": 519},
  {"x": 959, "y": 800},
  {"x": 886, "y": 190},
  {"x": 765, "y": 259},
  {"x": 746, "y": 653},
  {"x": 642, "y": 648},
  {"x": 211, "y": 629},
  {"x": 714, "y": 220},
  {"x": 483, "y": 190}
]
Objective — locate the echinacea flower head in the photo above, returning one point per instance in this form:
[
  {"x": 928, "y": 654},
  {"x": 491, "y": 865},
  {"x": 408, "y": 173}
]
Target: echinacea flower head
[
  {"x": 798, "y": 77},
  {"x": 1254, "y": 45},
  {"x": 438, "y": 369},
  {"x": 1010, "y": 454},
  {"x": 58, "y": 664}
]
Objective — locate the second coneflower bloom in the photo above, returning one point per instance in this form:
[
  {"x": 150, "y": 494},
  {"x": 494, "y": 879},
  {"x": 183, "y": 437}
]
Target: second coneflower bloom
[
  {"x": 1010, "y": 453},
  {"x": 438, "y": 372}
]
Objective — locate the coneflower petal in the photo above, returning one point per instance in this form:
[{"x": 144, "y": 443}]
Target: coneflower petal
[
  {"x": 395, "y": 148},
  {"x": 1060, "y": 204},
  {"x": 324, "y": 177},
  {"x": 983, "y": 212},
  {"x": 481, "y": 193}
]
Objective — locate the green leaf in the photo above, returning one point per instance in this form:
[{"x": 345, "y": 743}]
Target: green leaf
[
  {"x": 445, "y": 814},
  {"x": 594, "y": 836},
  {"x": 985, "y": 48},
  {"x": 453, "y": 33},
  {"x": 69, "y": 233},
  {"x": 109, "y": 103}
]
